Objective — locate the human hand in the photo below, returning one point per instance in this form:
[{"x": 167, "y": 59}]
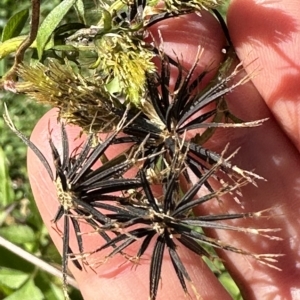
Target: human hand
[{"x": 266, "y": 39}]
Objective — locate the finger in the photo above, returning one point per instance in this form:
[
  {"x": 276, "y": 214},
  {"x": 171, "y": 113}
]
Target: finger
[
  {"x": 115, "y": 279},
  {"x": 270, "y": 153},
  {"x": 182, "y": 36},
  {"x": 267, "y": 39},
  {"x": 267, "y": 150}
]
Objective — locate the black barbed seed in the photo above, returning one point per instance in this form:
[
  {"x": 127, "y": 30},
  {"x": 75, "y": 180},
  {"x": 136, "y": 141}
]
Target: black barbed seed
[
  {"x": 168, "y": 115},
  {"x": 78, "y": 185},
  {"x": 169, "y": 220}
]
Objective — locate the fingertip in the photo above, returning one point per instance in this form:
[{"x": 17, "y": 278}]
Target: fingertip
[{"x": 266, "y": 38}]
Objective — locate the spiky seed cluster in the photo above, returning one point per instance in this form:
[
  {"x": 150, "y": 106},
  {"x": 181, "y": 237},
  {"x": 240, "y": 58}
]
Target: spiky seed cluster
[
  {"x": 122, "y": 67},
  {"x": 168, "y": 115},
  {"x": 169, "y": 221},
  {"x": 159, "y": 122},
  {"x": 80, "y": 101},
  {"x": 84, "y": 194}
]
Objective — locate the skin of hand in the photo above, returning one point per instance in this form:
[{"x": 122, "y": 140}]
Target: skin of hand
[{"x": 267, "y": 39}]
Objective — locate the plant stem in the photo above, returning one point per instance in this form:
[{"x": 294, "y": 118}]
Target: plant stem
[{"x": 35, "y": 261}]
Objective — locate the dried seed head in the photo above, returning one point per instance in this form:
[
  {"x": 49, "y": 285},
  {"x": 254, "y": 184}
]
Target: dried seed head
[{"x": 81, "y": 102}]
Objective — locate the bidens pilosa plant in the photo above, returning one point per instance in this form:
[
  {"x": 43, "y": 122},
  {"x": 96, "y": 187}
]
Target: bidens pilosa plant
[{"x": 100, "y": 74}]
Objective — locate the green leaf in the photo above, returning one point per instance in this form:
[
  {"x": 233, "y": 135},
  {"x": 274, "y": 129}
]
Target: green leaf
[
  {"x": 12, "y": 261},
  {"x": 12, "y": 278},
  {"x": 55, "y": 293},
  {"x": 79, "y": 6},
  {"x": 107, "y": 20},
  {"x": 230, "y": 285},
  {"x": 11, "y": 45},
  {"x": 18, "y": 234},
  {"x": 113, "y": 86},
  {"x": 64, "y": 48},
  {"x": 50, "y": 23},
  {"x": 29, "y": 291},
  {"x": 6, "y": 191},
  {"x": 15, "y": 25},
  {"x": 68, "y": 27},
  {"x": 46, "y": 283}
]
